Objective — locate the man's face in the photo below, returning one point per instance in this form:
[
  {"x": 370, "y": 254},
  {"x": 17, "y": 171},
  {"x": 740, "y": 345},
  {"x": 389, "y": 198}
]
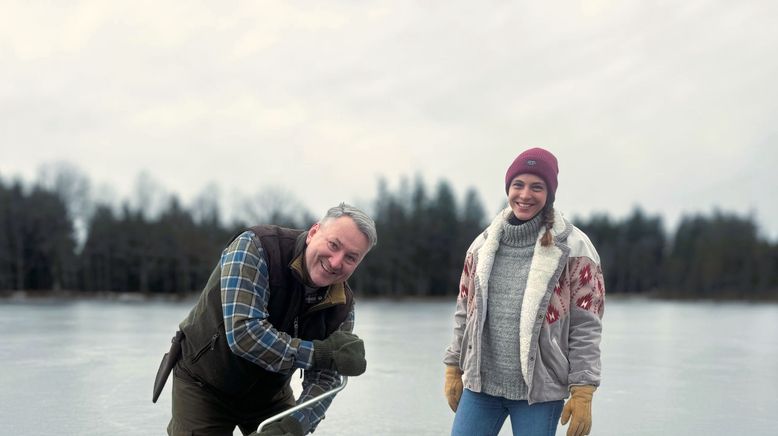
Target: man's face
[{"x": 334, "y": 250}]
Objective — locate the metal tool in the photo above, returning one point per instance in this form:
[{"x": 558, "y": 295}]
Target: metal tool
[{"x": 331, "y": 392}]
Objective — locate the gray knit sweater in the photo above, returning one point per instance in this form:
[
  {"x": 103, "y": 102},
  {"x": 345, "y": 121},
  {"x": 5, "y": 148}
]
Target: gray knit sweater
[{"x": 501, "y": 365}]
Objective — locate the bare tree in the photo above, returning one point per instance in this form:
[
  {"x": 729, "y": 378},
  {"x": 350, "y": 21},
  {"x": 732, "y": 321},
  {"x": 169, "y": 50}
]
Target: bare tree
[
  {"x": 205, "y": 206},
  {"x": 71, "y": 184},
  {"x": 274, "y": 205},
  {"x": 148, "y": 197}
]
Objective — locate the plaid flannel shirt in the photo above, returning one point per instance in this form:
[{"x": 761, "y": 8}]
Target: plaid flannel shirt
[{"x": 245, "y": 295}]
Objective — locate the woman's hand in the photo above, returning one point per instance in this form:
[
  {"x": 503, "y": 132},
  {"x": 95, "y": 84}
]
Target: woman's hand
[
  {"x": 579, "y": 406},
  {"x": 453, "y": 386}
]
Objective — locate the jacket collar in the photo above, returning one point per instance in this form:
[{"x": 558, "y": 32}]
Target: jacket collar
[
  {"x": 492, "y": 234},
  {"x": 546, "y": 264}
]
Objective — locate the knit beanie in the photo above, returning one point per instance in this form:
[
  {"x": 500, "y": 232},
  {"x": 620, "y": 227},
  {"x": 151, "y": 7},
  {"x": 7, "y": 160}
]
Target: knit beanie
[{"x": 535, "y": 161}]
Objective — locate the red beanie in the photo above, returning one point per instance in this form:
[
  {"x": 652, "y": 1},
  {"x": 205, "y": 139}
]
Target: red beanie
[{"x": 535, "y": 161}]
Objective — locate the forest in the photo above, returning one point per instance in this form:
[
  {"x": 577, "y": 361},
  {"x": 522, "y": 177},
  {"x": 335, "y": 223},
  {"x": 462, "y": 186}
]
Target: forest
[{"x": 54, "y": 238}]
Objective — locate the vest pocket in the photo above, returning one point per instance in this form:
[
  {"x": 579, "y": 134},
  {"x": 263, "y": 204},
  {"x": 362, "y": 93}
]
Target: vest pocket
[{"x": 209, "y": 346}]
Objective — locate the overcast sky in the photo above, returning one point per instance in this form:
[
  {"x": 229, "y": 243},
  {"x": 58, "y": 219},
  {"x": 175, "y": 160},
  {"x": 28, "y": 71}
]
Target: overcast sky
[{"x": 669, "y": 105}]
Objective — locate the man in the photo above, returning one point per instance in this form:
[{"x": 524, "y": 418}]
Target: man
[{"x": 277, "y": 301}]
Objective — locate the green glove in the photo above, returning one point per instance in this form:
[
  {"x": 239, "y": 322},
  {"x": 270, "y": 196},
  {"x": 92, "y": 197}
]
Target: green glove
[
  {"x": 285, "y": 427},
  {"x": 342, "y": 352}
]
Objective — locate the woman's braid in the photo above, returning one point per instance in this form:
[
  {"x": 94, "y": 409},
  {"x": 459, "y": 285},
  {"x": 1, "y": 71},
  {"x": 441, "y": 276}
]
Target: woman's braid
[{"x": 548, "y": 223}]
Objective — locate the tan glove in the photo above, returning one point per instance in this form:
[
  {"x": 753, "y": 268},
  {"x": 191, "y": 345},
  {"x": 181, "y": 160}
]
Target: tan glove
[
  {"x": 579, "y": 406},
  {"x": 453, "y": 386}
]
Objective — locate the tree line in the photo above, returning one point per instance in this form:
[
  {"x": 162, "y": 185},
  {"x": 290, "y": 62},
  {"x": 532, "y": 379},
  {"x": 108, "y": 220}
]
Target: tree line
[{"x": 51, "y": 238}]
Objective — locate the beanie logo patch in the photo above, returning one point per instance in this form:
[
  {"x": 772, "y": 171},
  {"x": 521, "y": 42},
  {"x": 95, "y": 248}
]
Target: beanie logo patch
[{"x": 531, "y": 163}]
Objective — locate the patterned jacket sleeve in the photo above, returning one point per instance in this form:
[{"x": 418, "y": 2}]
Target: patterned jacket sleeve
[
  {"x": 464, "y": 304},
  {"x": 587, "y": 304}
]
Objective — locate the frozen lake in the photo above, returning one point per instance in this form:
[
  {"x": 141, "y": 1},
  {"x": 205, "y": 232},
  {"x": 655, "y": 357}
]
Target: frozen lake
[{"x": 669, "y": 368}]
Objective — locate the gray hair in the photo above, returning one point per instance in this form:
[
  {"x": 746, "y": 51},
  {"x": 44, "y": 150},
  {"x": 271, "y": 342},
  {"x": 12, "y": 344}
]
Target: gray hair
[{"x": 364, "y": 223}]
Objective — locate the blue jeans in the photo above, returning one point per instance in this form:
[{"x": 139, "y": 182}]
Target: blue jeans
[{"x": 483, "y": 415}]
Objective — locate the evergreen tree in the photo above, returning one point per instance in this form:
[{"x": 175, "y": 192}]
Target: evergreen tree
[
  {"x": 49, "y": 242},
  {"x": 443, "y": 234},
  {"x": 714, "y": 257},
  {"x": 6, "y": 248},
  {"x": 422, "y": 242},
  {"x": 97, "y": 254}
]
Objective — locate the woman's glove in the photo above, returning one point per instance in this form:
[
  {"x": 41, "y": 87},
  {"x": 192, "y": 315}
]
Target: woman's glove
[
  {"x": 285, "y": 427},
  {"x": 342, "y": 352},
  {"x": 579, "y": 406},
  {"x": 453, "y": 386}
]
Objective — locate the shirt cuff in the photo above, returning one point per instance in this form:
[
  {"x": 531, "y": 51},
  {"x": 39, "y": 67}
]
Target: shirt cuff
[
  {"x": 305, "y": 354},
  {"x": 303, "y": 418}
]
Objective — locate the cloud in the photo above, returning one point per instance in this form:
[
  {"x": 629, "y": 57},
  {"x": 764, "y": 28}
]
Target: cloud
[{"x": 666, "y": 105}]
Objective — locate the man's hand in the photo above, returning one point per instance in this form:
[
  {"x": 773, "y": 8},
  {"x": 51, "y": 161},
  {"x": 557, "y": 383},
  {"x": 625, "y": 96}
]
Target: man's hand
[
  {"x": 342, "y": 352},
  {"x": 579, "y": 406},
  {"x": 285, "y": 427},
  {"x": 452, "y": 386}
]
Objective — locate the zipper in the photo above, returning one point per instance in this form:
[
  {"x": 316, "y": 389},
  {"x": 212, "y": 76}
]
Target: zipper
[
  {"x": 208, "y": 347},
  {"x": 296, "y": 325}
]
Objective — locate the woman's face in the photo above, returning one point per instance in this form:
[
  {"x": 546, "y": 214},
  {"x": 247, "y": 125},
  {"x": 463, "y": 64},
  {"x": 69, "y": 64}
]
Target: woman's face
[{"x": 527, "y": 196}]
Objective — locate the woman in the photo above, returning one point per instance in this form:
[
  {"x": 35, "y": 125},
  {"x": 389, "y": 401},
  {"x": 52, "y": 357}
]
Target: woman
[{"x": 527, "y": 325}]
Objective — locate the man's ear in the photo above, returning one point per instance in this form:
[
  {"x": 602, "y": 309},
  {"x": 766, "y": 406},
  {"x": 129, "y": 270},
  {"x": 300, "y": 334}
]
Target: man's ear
[{"x": 312, "y": 231}]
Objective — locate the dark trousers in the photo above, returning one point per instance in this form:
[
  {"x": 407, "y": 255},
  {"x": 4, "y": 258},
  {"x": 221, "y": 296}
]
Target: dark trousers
[{"x": 199, "y": 411}]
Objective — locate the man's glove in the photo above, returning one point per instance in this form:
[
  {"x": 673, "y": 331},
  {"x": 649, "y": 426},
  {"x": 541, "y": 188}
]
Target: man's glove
[
  {"x": 452, "y": 386},
  {"x": 342, "y": 351},
  {"x": 579, "y": 406},
  {"x": 285, "y": 427}
]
